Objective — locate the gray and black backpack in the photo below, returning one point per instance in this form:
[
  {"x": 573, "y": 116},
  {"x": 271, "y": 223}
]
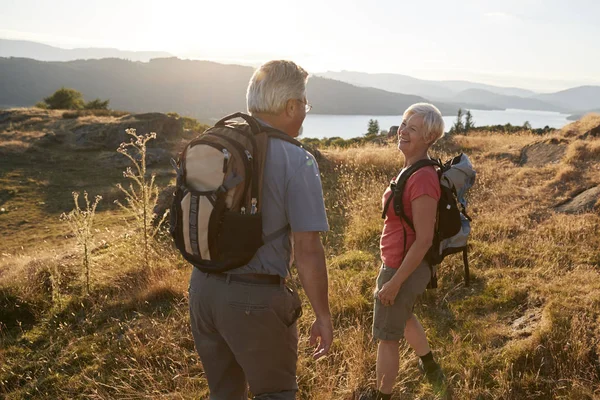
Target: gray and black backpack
[
  {"x": 216, "y": 219},
  {"x": 453, "y": 224}
]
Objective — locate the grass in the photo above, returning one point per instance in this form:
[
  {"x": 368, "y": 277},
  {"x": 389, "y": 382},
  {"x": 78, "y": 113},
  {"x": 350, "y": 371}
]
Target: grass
[{"x": 527, "y": 327}]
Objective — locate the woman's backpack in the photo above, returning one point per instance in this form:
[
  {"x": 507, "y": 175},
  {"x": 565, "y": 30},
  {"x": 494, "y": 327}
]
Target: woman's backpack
[{"x": 453, "y": 224}]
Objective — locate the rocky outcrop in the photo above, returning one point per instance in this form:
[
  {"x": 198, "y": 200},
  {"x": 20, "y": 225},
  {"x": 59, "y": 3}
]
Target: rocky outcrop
[
  {"x": 543, "y": 153},
  {"x": 108, "y": 136},
  {"x": 592, "y": 133},
  {"x": 583, "y": 202}
]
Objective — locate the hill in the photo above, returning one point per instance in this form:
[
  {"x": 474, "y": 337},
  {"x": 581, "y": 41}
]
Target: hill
[
  {"x": 504, "y": 101},
  {"x": 527, "y": 327},
  {"x": 200, "y": 89},
  {"x": 44, "y": 52},
  {"x": 440, "y": 90},
  {"x": 579, "y": 98},
  {"x": 474, "y": 95}
]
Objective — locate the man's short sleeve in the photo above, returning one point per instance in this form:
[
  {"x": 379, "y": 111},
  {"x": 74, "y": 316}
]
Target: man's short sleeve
[{"x": 304, "y": 203}]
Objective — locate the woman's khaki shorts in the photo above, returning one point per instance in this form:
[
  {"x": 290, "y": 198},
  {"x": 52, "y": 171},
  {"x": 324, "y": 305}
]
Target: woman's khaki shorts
[{"x": 389, "y": 321}]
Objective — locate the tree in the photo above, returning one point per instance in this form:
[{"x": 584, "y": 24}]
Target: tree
[
  {"x": 458, "y": 126},
  {"x": 527, "y": 126},
  {"x": 373, "y": 128},
  {"x": 469, "y": 123},
  {"x": 65, "y": 99},
  {"x": 96, "y": 105}
]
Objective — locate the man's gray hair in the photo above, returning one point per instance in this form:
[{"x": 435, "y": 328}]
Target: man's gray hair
[
  {"x": 273, "y": 84},
  {"x": 433, "y": 123}
]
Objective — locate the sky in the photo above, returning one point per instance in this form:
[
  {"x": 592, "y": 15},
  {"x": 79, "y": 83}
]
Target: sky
[{"x": 542, "y": 45}]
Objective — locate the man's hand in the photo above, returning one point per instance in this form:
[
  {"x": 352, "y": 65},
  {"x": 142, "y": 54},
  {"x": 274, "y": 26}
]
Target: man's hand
[
  {"x": 389, "y": 291},
  {"x": 321, "y": 331}
]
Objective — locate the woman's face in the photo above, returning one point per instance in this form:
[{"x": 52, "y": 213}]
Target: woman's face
[{"x": 410, "y": 136}]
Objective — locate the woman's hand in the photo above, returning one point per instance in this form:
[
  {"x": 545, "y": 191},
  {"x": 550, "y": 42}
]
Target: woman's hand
[{"x": 389, "y": 291}]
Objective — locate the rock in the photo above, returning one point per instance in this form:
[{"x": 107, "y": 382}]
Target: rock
[
  {"x": 594, "y": 132},
  {"x": 108, "y": 136},
  {"x": 540, "y": 154},
  {"x": 153, "y": 157},
  {"x": 51, "y": 138},
  {"x": 583, "y": 202}
]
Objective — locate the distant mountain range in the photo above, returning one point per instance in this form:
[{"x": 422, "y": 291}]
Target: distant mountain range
[
  {"x": 44, "y": 52},
  {"x": 570, "y": 100},
  {"x": 201, "y": 89},
  {"x": 207, "y": 90}
]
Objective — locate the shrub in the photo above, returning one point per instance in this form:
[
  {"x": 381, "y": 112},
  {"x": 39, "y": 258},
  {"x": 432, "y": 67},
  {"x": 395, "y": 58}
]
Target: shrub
[
  {"x": 96, "y": 105},
  {"x": 65, "y": 99}
]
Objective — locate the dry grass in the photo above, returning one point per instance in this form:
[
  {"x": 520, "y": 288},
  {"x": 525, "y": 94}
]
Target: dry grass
[{"x": 527, "y": 327}]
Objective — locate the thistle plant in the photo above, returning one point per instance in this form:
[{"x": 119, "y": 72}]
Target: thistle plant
[
  {"x": 81, "y": 222},
  {"x": 142, "y": 194}
]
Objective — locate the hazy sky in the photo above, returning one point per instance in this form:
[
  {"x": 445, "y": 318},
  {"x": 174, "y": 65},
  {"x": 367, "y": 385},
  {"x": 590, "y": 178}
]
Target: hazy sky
[{"x": 537, "y": 44}]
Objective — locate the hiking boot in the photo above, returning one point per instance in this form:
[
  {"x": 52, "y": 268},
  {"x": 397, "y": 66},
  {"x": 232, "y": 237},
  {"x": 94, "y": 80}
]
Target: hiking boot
[
  {"x": 433, "y": 374},
  {"x": 367, "y": 394}
]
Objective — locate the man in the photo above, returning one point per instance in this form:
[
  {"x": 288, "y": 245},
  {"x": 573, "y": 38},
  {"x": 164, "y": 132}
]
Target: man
[{"x": 244, "y": 325}]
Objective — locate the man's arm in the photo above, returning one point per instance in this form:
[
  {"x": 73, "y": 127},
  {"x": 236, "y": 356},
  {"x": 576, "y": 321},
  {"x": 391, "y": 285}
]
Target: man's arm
[{"x": 310, "y": 261}]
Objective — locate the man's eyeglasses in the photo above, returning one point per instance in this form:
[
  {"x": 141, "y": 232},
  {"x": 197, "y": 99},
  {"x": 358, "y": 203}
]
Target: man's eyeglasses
[{"x": 307, "y": 107}]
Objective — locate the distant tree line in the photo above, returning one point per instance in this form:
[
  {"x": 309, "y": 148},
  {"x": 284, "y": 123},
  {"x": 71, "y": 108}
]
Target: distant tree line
[
  {"x": 71, "y": 99},
  {"x": 463, "y": 127}
]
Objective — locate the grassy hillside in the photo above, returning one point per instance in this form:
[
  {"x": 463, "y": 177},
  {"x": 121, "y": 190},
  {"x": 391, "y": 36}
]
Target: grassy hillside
[{"x": 527, "y": 327}]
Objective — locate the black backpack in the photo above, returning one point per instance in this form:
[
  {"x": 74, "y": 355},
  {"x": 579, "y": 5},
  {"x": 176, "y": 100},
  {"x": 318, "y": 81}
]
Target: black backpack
[
  {"x": 452, "y": 224},
  {"x": 216, "y": 219}
]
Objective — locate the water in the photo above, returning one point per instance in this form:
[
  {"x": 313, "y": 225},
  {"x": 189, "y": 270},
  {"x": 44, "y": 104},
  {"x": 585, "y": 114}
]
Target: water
[{"x": 349, "y": 126}]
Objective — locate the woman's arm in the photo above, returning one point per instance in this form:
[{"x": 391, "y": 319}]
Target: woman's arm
[{"x": 424, "y": 209}]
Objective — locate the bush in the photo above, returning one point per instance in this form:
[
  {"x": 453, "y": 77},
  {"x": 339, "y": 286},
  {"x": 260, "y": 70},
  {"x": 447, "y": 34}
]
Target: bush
[
  {"x": 96, "y": 105},
  {"x": 65, "y": 99}
]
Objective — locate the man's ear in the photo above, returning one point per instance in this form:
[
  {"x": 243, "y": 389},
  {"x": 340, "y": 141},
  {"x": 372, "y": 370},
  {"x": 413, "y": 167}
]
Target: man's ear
[{"x": 290, "y": 107}]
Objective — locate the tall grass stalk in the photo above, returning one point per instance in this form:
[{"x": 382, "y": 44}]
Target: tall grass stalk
[
  {"x": 81, "y": 221},
  {"x": 142, "y": 195}
]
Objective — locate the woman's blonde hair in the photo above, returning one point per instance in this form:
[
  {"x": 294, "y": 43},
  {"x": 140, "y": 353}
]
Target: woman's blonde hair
[{"x": 433, "y": 123}]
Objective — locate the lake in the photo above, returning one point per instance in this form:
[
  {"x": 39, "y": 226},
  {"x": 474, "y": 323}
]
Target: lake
[{"x": 349, "y": 126}]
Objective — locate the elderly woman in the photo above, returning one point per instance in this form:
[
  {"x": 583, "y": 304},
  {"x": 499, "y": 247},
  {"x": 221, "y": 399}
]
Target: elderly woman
[{"x": 405, "y": 274}]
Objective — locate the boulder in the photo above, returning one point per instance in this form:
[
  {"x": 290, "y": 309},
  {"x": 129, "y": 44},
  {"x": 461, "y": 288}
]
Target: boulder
[
  {"x": 543, "y": 153},
  {"x": 583, "y": 202}
]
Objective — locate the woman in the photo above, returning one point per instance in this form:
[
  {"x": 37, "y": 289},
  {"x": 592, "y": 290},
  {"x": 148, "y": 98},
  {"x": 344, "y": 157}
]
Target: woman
[{"x": 404, "y": 276}]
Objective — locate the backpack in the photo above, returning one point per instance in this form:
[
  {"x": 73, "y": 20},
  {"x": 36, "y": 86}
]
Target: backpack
[
  {"x": 453, "y": 225},
  {"x": 216, "y": 220}
]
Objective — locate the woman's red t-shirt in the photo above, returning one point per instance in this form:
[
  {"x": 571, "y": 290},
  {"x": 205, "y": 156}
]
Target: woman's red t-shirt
[{"x": 424, "y": 182}]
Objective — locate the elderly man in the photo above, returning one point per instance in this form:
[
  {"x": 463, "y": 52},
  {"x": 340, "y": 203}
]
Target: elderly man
[{"x": 240, "y": 325}]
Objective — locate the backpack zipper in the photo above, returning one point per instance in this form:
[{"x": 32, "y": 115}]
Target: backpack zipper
[{"x": 226, "y": 157}]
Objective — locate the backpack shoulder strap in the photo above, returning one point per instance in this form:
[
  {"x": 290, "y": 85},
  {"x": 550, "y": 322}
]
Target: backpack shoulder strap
[
  {"x": 255, "y": 126},
  {"x": 398, "y": 189},
  {"x": 277, "y": 134}
]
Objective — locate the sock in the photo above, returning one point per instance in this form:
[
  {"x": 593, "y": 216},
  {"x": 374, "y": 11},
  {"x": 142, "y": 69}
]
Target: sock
[
  {"x": 383, "y": 396},
  {"x": 428, "y": 361}
]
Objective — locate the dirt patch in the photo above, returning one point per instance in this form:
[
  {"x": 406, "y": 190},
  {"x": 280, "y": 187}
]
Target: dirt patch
[
  {"x": 583, "y": 202},
  {"x": 543, "y": 153},
  {"x": 525, "y": 325}
]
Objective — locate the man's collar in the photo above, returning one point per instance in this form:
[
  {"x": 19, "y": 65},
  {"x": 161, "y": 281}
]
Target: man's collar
[{"x": 263, "y": 122}]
